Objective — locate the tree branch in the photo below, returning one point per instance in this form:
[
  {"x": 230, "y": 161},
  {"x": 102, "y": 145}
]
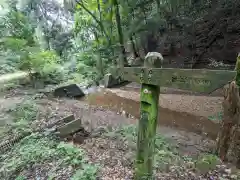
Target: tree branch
[{"x": 95, "y": 18}]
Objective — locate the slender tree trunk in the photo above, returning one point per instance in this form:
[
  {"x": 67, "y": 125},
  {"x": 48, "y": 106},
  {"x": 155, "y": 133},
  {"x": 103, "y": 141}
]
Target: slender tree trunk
[
  {"x": 46, "y": 39},
  {"x": 99, "y": 63},
  {"x": 158, "y": 7},
  {"x": 99, "y": 59},
  {"x": 120, "y": 33},
  {"x": 134, "y": 49},
  {"x": 99, "y": 10}
]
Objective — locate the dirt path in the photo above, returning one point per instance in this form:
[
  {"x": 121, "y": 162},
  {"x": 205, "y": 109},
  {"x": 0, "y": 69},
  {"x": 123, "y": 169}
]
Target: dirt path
[
  {"x": 198, "y": 105},
  {"x": 173, "y": 114},
  {"x": 95, "y": 116}
]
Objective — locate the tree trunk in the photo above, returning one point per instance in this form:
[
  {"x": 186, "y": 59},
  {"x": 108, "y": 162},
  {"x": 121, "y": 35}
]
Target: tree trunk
[
  {"x": 99, "y": 62},
  {"x": 99, "y": 65},
  {"x": 134, "y": 49},
  {"x": 159, "y": 7},
  {"x": 120, "y": 33},
  {"x": 228, "y": 146}
]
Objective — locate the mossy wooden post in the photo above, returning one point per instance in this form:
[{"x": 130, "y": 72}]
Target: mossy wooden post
[
  {"x": 152, "y": 78},
  {"x": 148, "y": 123}
]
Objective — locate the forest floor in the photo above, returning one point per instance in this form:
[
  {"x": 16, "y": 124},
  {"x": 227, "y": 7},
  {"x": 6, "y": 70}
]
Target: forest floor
[{"x": 109, "y": 152}]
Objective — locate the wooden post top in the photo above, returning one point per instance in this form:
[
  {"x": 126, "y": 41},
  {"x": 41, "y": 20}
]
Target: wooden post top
[{"x": 153, "y": 60}]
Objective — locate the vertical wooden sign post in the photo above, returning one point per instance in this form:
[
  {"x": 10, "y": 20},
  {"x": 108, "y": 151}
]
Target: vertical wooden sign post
[
  {"x": 152, "y": 77},
  {"x": 148, "y": 123}
]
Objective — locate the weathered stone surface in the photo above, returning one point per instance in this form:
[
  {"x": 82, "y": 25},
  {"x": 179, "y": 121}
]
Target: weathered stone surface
[
  {"x": 135, "y": 61},
  {"x": 67, "y": 119},
  {"x": 153, "y": 59},
  {"x": 110, "y": 81},
  {"x": 69, "y": 128},
  {"x": 71, "y": 90},
  {"x": 101, "y": 83},
  {"x": 80, "y": 136}
]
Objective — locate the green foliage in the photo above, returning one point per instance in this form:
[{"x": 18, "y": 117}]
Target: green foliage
[
  {"x": 10, "y": 49},
  {"x": 21, "y": 178},
  {"x": 87, "y": 59},
  {"x": 88, "y": 172},
  {"x": 17, "y": 36},
  {"x": 25, "y": 110},
  {"x": 53, "y": 73},
  {"x": 7, "y": 68},
  {"x": 29, "y": 151},
  {"x": 29, "y": 32},
  {"x": 23, "y": 114},
  {"x": 20, "y": 50},
  {"x": 13, "y": 43},
  {"x": 32, "y": 59},
  {"x": 10, "y": 85},
  {"x": 86, "y": 66},
  {"x": 218, "y": 117},
  {"x": 165, "y": 154},
  {"x": 17, "y": 25},
  {"x": 39, "y": 60},
  {"x": 207, "y": 162},
  {"x": 74, "y": 156},
  {"x": 39, "y": 149},
  {"x": 46, "y": 64}
]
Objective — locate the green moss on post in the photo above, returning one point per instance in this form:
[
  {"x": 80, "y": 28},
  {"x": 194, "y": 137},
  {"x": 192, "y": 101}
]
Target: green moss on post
[
  {"x": 237, "y": 68},
  {"x": 147, "y": 131}
]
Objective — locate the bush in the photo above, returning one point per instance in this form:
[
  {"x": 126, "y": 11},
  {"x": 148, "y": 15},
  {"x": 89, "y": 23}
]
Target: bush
[
  {"x": 47, "y": 65},
  {"x": 53, "y": 74},
  {"x": 18, "y": 55}
]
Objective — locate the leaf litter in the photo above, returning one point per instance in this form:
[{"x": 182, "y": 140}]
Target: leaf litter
[{"x": 108, "y": 153}]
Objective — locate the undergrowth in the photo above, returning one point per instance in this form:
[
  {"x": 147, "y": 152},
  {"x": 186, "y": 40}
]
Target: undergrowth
[
  {"x": 18, "y": 118},
  {"x": 164, "y": 152},
  {"x": 14, "y": 84},
  {"x": 23, "y": 115},
  {"x": 166, "y": 155},
  {"x": 56, "y": 157},
  {"x": 39, "y": 149},
  {"x": 217, "y": 118},
  {"x": 51, "y": 154}
]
